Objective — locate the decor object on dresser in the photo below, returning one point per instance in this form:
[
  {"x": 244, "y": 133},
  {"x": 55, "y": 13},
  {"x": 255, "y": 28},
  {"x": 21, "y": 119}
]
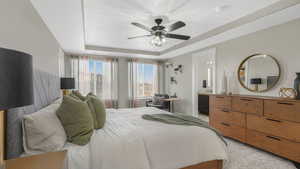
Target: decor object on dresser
[
  {"x": 224, "y": 84},
  {"x": 288, "y": 93},
  {"x": 66, "y": 84},
  {"x": 297, "y": 85},
  {"x": 259, "y": 73},
  {"x": 268, "y": 123},
  {"x": 256, "y": 82},
  {"x": 16, "y": 87}
]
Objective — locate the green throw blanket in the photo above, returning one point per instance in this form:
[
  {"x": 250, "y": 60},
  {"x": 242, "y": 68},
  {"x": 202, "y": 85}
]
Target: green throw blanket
[{"x": 180, "y": 119}]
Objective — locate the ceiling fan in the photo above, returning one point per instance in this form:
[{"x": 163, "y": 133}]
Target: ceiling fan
[{"x": 160, "y": 33}]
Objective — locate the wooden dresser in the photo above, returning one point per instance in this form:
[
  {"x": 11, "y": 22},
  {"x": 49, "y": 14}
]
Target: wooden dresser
[{"x": 271, "y": 124}]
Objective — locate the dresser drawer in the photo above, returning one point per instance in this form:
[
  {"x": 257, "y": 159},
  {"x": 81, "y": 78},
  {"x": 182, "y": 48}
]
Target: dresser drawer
[
  {"x": 230, "y": 117},
  {"x": 230, "y": 130},
  {"x": 285, "y": 110},
  {"x": 223, "y": 102},
  {"x": 284, "y": 129},
  {"x": 276, "y": 145},
  {"x": 247, "y": 105}
]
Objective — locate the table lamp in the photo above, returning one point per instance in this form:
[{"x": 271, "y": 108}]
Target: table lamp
[
  {"x": 16, "y": 84},
  {"x": 256, "y": 82},
  {"x": 66, "y": 84}
]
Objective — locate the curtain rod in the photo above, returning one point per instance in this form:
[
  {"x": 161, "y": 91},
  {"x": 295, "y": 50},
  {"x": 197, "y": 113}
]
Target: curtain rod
[{"x": 107, "y": 56}]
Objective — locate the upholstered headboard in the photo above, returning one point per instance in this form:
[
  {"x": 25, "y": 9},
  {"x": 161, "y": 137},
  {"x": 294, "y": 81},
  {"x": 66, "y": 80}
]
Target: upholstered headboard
[{"x": 46, "y": 90}]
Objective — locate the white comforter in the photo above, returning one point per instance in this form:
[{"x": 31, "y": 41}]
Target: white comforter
[{"x": 129, "y": 142}]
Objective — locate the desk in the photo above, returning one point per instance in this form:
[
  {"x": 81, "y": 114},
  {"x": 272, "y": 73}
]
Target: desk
[{"x": 171, "y": 100}]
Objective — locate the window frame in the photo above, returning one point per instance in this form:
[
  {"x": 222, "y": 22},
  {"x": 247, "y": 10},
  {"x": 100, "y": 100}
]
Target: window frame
[{"x": 154, "y": 80}]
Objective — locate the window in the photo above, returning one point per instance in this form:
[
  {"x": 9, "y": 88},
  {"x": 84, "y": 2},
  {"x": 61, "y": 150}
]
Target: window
[
  {"x": 146, "y": 79},
  {"x": 143, "y": 80},
  {"x": 96, "y": 73},
  {"x": 98, "y": 76}
]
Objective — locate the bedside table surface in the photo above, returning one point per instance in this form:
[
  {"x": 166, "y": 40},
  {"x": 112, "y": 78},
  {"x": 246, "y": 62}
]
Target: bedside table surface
[{"x": 53, "y": 160}]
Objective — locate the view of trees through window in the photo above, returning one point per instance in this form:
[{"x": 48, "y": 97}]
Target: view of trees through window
[{"x": 146, "y": 80}]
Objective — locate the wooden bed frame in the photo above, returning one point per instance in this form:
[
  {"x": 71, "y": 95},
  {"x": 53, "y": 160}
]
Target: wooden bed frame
[{"x": 49, "y": 157}]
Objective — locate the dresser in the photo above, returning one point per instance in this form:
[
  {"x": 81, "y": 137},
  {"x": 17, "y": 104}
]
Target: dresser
[{"x": 271, "y": 124}]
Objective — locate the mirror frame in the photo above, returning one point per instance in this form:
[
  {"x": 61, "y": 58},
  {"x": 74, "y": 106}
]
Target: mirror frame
[{"x": 261, "y": 91}]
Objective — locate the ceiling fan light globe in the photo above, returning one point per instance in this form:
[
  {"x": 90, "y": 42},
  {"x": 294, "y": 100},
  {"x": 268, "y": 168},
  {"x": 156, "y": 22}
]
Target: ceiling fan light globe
[{"x": 158, "y": 41}]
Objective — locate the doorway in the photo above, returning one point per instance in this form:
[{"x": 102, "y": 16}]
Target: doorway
[{"x": 204, "y": 75}]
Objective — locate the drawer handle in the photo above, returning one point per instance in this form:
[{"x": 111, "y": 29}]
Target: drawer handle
[
  {"x": 225, "y": 110},
  {"x": 219, "y": 97},
  {"x": 274, "y": 138},
  {"x": 278, "y": 121},
  {"x": 225, "y": 124},
  {"x": 248, "y": 100},
  {"x": 290, "y": 104}
]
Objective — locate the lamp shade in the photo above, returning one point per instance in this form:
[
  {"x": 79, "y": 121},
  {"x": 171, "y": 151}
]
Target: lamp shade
[
  {"x": 67, "y": 83},
  {"x": 16, "y": 79},
  {"x": 256, "y": 81}
]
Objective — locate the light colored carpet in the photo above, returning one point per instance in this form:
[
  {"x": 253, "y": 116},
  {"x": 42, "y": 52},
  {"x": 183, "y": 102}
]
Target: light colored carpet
[{"x": 242, "y": 156}]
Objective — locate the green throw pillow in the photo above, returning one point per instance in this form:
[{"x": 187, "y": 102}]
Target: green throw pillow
[
  {"x": 79, "y": 95},
  {"x": 74, "y": 96},
  {"x": 76, "y": 119},
  {"x": 98, "y": 109}
]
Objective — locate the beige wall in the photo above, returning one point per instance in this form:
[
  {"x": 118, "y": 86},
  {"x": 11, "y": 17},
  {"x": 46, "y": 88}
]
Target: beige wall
[
  {"x": 183, "y": 88},
  {"x": 280, "y": 41},
  {"x": 22, "y": 29}
]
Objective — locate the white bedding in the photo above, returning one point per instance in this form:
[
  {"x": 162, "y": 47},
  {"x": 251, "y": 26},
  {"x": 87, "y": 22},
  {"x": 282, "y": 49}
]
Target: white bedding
[{"x": 129, "y": 142}]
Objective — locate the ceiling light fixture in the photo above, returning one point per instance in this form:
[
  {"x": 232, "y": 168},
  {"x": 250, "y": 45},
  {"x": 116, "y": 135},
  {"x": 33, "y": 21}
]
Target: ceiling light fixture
[
  {"x": 160, "y": 32},
  {"x": 158, "y": 41}
]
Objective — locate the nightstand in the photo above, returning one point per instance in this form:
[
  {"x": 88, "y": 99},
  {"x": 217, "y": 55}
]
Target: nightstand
[{"x": 53, "y": 160}]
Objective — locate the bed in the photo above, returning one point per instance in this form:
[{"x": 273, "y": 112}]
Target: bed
[{"x": 127, "y": 141}]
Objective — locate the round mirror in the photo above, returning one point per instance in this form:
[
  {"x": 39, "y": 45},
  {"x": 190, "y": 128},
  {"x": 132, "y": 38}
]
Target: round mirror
[{"x": 259, "y": 73}]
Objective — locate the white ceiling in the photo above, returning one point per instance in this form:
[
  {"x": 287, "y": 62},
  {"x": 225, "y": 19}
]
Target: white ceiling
[
  {"x": 107, "y": 22},
  {"x": 104, "y": 25}
]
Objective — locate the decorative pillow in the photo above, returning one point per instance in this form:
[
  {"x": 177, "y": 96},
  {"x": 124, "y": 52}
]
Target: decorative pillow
[
  {"x": 42, "y": 131},
  {"x": 76, "y": 119},
  {"x": 79, "y": 95},
  {"x": 57, "y": 101},
  {"x": 98, "y": 110},
  {"x": 75, "y": 97}
]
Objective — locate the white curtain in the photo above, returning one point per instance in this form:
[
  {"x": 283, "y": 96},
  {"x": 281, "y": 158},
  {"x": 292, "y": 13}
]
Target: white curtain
[
  {"x": 97, "y": 75},
  {"x": 142, "y": 88}
]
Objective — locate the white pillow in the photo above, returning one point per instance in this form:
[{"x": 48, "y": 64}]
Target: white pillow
[{"x": 43, "y": 132}]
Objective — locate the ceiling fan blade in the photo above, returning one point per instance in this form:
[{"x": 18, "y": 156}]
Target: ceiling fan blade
[
  {"x": 175, "y": 26},
  {"x": 142, "y": 36},
  {"x": 142, "y": 26},
  {"x": 175, "y": 36}
]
